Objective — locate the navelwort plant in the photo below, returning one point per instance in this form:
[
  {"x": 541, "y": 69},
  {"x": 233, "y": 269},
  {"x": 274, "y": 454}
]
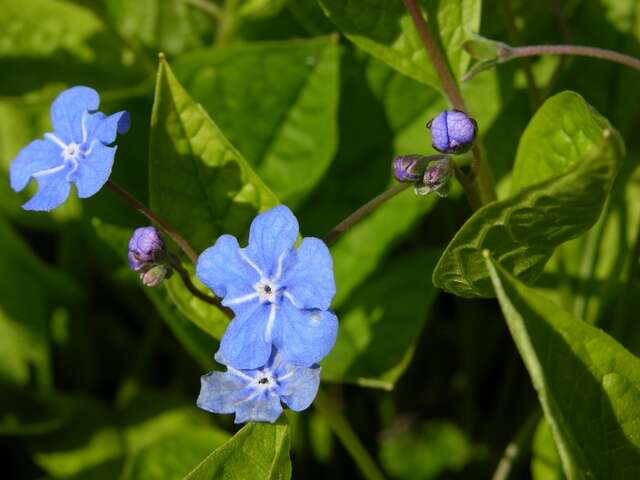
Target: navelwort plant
[{"x": 233, "y": 268}]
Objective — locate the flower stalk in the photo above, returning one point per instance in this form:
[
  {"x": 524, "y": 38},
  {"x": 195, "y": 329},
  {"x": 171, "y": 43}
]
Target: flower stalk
[
  {"x": 164, "y": 226},
  {"x": 337, "y": 231},
  {"x": 479, "y": 188}
]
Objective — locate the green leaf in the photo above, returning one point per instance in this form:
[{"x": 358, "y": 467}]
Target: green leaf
[
  {"x": 165, "y": 437},
  {"x": 90, "y": 446},
  {"x": 426, "y": 451},
  {"x": 561, "y": 134},
  {"x": 284, "y": 125},
  {"x": 46, "y": 41},
  {"x": 170, "y": 26},
  {"x": 175, "y": 455},
  {"x": 24, "y": 312},
  {"x": 200, "y": 184},
  {"x": 587, "y": 383},
  {"x": 587, "y": 273},
  {"x": 258, "y": 451},
  {"x": 381, "y": 322},
  {"x": 385, "y": 30},
  {"x": 545, "y": 461},
  {"x": 157, "y": 436},
  {"x": 198, "y": 181},
  {"x": 25, "y": 412},
  {"x": 260, "y": 8},
  {"x": 523, "y": 231}
]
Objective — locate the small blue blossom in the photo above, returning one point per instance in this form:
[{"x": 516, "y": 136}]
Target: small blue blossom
[
  {"x": 78, "y": 150},
  {"x": 257, "y": 394},
  {"x": 452, "y": 131},
  {"x": 280, "y": 295},
  {"x": 145, "y": 247}
]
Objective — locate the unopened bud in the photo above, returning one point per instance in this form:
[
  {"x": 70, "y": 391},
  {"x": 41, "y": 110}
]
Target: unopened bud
[
  {"x": 408, "y": 168},
  {"x": 436, "y": 178},
  {"x": 452, "y": 131},
  {"x": 145, "y": 248},
  {"x": 155, "y": 275}
]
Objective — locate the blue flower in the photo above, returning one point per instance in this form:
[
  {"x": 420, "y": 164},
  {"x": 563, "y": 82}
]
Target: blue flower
[
  {"x": 256, "y": 395},
  {"x": 452, "y": 131},
  {"x": 76, "y": 152},
  {"x": 280, "y": 295}
]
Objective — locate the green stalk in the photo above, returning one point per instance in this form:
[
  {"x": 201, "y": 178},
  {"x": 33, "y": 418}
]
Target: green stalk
[{"x": 330, "y": 410}]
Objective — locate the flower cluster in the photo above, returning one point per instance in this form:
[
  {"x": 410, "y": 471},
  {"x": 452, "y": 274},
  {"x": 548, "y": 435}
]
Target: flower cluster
[
  {"x": 452, "y": 132},
  {"x": 427, "y": 173},
  {"x": 282, "y": 327},
  {"x": 79, "y": 151}
]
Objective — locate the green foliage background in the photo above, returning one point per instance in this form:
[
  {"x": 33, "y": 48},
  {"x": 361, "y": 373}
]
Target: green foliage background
[{"x": 305, "y": 102}]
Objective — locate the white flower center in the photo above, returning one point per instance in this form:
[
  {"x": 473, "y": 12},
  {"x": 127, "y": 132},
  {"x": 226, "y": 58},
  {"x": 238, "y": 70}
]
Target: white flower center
[
  {"x": 267, "y": 290},
  {"x": 71, "y": 152}
]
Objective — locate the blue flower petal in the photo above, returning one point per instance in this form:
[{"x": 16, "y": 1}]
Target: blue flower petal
[
  {"x": 271, "y": 237},
  {"x": 94, "y": 170},
  {"x": 223, "y": 269},
  {"x": 299, "y": 386},
  {"x": 53, "y": 189},
  {"x": 67, "y": 110},
  {"x": 309, "y": 281},
  {"x": 304, "y": 337},
  {"x": 243, "y": 344},
  {"x": 37, "y": 156},
  {"x": 440, "y": 132},
  {"x": 221, "y": 392},
  {"x": 106, "y": 129},
  {"x": 265, "y": 407}
]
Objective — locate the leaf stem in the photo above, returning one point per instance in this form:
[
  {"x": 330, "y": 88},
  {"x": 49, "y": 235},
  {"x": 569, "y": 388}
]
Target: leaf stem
[
  {"x": 330, "y": 410},
  {"x": 138, "y": 205},
  {"x": 186, "y": 279},
  {"x": 482, "y": 189},
  {"x": 575, "y": 50},
  {"x": 363, "y": 211},
  {"x": 517, "y": 446}
]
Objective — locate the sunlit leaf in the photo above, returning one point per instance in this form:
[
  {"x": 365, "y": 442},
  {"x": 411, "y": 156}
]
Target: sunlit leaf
[{"x": 587, "y": 383}]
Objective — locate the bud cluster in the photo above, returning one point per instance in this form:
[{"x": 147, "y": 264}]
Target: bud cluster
[
  {"x": 453, "y": 132},
  {"x": 148, "y": 257}
]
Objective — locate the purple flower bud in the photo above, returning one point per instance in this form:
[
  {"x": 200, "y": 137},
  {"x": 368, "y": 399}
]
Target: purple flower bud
[
  {"x": 452, "y": 131},
  {"x": 155, "y": 275},
  {"x": 436, "y": 178},
  {"x": 408, "y": 168},
  {"x": 145, "y": 247}
]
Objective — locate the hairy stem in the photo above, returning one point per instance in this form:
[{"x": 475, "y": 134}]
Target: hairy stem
[
  {"x": 481, "y": 184},
  {"x": 449, "y": 84},
  {"x": 517, "y": 446},
  {"x": 574, "y": 50},
  {"x": 330, "y": 411},
  {"x": 164, "y": 226},
  {"x": 363, "y": 211}
]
